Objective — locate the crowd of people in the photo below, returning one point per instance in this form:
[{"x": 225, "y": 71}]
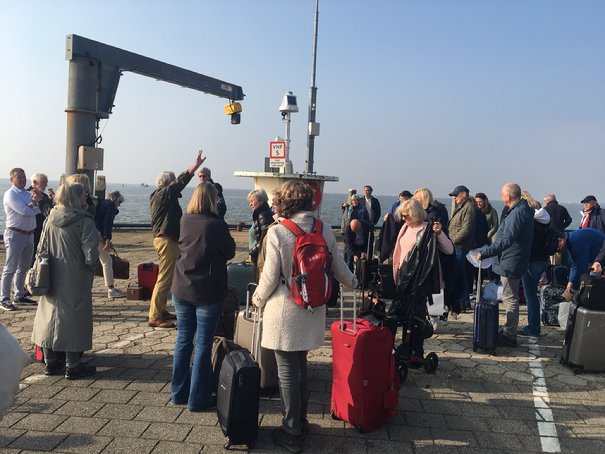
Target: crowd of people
[{"x": 417, "y": 236}]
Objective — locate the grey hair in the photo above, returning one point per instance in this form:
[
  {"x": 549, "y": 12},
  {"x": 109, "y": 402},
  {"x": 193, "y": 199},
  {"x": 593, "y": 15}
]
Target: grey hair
[
  {"x": 206, "y": 171},
  {"x": 513, "y": 190},
  {"x": 68, "y": 195},
  {"x": 164, "y": 179},
  {"x": 115, "y": 196},
  {"x": 259, "y": 194},
  {"x": 38, "y": 176}
]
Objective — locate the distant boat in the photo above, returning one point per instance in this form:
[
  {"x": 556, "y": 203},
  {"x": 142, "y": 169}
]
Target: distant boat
[{"x": 145, "y": 185}]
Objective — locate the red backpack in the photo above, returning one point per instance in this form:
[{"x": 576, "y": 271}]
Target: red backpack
[{"x": 311, "y": 282}]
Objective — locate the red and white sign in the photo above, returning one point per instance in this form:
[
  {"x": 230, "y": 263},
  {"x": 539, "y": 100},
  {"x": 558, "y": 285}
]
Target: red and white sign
[{"x": 277, "y": 153}]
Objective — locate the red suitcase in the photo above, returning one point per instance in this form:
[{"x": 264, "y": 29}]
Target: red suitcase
[
  {"x": 147, "y": 275},
  {"x": 365, "y": 386}
]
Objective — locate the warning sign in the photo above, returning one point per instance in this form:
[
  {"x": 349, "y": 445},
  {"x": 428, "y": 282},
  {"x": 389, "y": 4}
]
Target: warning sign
[{"x": 277, "y": 153}]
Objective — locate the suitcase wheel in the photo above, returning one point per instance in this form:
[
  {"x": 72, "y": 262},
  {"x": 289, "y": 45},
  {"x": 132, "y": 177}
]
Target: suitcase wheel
[
  {"x": 402, "y": 371},
  {"x": 251, "y": 444},
  {"x": 227, "y": 446},
  {"x": 431, "y": 362},
  {"x": 577, "y": 371},
  {"x": 334, "y": 417}
]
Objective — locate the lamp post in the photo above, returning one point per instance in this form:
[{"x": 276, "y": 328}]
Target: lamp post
[{"x": 288, "y": 106}]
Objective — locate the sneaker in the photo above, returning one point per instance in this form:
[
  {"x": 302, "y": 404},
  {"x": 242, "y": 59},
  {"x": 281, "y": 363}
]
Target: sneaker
[
  {"x": 7, "y": 306},
  {"x": 160, "y": 323},
  {"x": 168, "y": 315},
  {"x": 80, "y": 371},
  {"x": 24, "y": 300},
  {"x": 115, "y": 293},
  {"x": 57, "y": 370},
  {"x": 282, "y": 438},
  {"x": 505, "y": 341}
]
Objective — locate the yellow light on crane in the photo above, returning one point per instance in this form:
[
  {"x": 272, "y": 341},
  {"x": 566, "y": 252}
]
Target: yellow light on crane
[{"x": 232, "y": 108}]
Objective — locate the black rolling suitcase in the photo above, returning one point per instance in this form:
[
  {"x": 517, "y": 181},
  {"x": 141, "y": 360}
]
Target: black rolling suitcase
[
  {"x": 592, "y": 292},
  {"x": 238, "y": 398},
  {"x": 485, "y": 323}
]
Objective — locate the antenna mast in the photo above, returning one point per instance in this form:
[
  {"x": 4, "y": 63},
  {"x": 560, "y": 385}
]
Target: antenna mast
[{"x": 312, "y": 127}]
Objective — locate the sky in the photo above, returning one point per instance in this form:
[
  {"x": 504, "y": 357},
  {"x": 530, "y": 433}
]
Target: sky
[{"x": 432, "y": 93}]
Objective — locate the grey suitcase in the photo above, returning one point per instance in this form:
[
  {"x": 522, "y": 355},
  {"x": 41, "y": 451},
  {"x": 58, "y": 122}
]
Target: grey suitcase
[
  {"x": 248, "y": 331},
  {"x": 584, "y": 340}
]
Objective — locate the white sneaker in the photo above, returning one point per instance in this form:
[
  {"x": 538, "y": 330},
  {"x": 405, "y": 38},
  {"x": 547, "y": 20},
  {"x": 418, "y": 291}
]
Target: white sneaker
[{"x": 115, "y": 293}]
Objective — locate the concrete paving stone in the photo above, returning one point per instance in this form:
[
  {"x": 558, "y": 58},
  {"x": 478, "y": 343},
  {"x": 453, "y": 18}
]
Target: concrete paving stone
[
  {"x": 150, "y": 399},
  {"x": 11, "y": 451},
  {"x": 79, "y": 408},
  {"x": 382, "y": 446},
  {"x": 147, "y": 385},
  {"x": 123, "y": 428},
  {"x": 81, "y": 394},
  {"x": 509, "y": 442},
  {"x": 465, "y": 423},
  {"x": 486, "y": 397},
  {"x": 574, "y": 380},
  {"x": 130, "y": 446},
  {"x": 138, "y": 374},
  {"x": 118, "y": 411},
  {"x": 38, "y": 441},
  {"x": 11, "y": 418},
  {"x": 110, "y": 383},
  {"x": 108, "y": 360},
  {"x": 335, "y": 445},
  {"x": 85, "y": 444},
  {"x": 35, "y": 421},
  {"x": 467, "y": 387},
  {"x": 580, "y": 446},
  {"x": 439, "y": 406},
  {"x": 429, "y": 447},
  {"x": 520, "y": 399},
  {"x": 167, "y": 431},
  {"x": 160, "y": 414},
  {"x": 197, "y": 418},
  {"x": 169, "y": 447},
  {"x": 590, "y": 417},
  {"x": 518, "y": 413},
  {"x": 139, "y": 363},
  {"x": 589, "y": 431},
  {"x": 407, "y": 404},
  {"x": 513, "y": 426},
  {"x": 403, "y": 432},
  {"x": 7, "y": 436},
  {"x": 163, "y": 375},
  {"x": 40, "y": 405},
  {"x": 453, "y": 438},
  {"x": 206, "y": 435},
  {"x": 39, "y": 391},
  {"x": 114, "y": 396},
  {"x": 82, "y": 425}
]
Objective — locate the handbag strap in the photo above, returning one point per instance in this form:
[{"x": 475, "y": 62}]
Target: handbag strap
[{"x": 42, "y": 245}]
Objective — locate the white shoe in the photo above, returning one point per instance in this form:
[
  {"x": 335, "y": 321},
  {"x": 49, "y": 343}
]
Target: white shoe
[{"x": 115, "y": 293}]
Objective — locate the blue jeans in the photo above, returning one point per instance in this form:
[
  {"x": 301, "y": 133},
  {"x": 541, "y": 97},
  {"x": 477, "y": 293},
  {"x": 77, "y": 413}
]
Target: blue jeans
[
  {"x": 530, "y": 286},
  {"x": 198, "y": 322}
]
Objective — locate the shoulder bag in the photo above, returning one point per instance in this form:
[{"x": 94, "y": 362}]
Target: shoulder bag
[{"x": 37, "y": 279}]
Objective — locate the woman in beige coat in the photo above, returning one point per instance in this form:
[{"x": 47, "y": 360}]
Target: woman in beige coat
[
  {"x": 63, "y": 323},
  {"x": 288, "y": 329}
]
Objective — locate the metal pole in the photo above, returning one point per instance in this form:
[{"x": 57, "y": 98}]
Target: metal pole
[
  {"x": 312, "y": 99},
  {"x": 81, "y": 112}
]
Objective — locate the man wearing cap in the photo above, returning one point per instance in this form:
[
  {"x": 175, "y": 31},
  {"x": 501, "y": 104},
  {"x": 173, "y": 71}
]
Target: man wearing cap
[
  {"x": 511, "y": 251},
  {"x": 403, "y": 196},
  {"x": 21, "y": 208},
  {"x": 462, "y": 234},
  {"x": 592, "y": 215}
]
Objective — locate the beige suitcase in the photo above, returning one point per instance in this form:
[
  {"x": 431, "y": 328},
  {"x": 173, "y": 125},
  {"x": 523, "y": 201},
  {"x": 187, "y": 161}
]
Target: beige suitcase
[{"x": 248, "y": 331}]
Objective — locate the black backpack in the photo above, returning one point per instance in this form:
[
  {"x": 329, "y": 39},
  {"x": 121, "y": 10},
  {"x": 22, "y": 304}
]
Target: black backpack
[{"x": 550, "y": 241}]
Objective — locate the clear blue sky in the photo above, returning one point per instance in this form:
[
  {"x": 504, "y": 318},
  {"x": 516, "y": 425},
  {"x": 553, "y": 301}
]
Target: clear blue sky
[{"x": 410, "y": 93}]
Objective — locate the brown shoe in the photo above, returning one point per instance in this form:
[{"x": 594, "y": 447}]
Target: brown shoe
[
  {"x": 168, "y": 315},
  {"x": 160, "y": 323}
]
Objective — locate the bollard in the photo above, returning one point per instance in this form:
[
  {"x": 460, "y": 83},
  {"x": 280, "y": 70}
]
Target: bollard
[{"x": 239, "y": 226}]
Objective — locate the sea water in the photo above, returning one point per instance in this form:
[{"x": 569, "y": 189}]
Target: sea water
[{"x": 135, "y": 209}]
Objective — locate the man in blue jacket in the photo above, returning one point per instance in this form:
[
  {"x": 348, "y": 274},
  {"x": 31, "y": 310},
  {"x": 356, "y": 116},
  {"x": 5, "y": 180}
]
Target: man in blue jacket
[
  {"x": 583, "y": 246},
  {"x": 511, "y": 251}
]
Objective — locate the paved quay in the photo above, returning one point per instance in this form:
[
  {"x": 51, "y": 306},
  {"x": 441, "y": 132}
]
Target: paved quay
[{"x": 521, "y": 400}]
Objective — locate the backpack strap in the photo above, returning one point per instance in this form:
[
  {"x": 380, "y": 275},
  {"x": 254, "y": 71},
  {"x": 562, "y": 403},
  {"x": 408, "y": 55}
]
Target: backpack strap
[{"x": 292, "y": 227}]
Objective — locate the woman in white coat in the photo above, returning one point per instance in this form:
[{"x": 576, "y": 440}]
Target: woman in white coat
[{"x": 289, "y": 329}]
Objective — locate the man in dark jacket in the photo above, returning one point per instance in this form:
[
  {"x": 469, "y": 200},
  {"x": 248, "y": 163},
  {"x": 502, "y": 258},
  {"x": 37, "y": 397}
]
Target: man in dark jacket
[
  {"x": 592, "y": 216},
  {"x": 559, "y": 216},
  {"x": 356, "y": 242},
  {"x": 584, "y": 246},
  {"x": 511, "y": 252},
  {"x": 372, "y": 204},
  {"x": 599, "y": 261},
  {"x": 205, "y": 176},
  {"x": 165, "y": 225}
]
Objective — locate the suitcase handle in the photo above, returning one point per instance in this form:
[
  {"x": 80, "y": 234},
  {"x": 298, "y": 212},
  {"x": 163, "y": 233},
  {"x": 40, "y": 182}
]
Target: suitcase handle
[
  {"x": 342, "y": 304},
  {"x": 255, "y": 314},
  {"x": 479, "y": 283}
]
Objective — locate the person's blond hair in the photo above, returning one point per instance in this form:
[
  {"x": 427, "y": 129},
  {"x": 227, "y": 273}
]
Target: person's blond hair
[
  {"x": 413, "y": 209},
  {"x": 80, "y": 178},
  {"x": 424, "y": 196},
  {"x": 68, "y": 195},
  {"x": 203, "y": 200},
  {"x": 530, "y": 200}
]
